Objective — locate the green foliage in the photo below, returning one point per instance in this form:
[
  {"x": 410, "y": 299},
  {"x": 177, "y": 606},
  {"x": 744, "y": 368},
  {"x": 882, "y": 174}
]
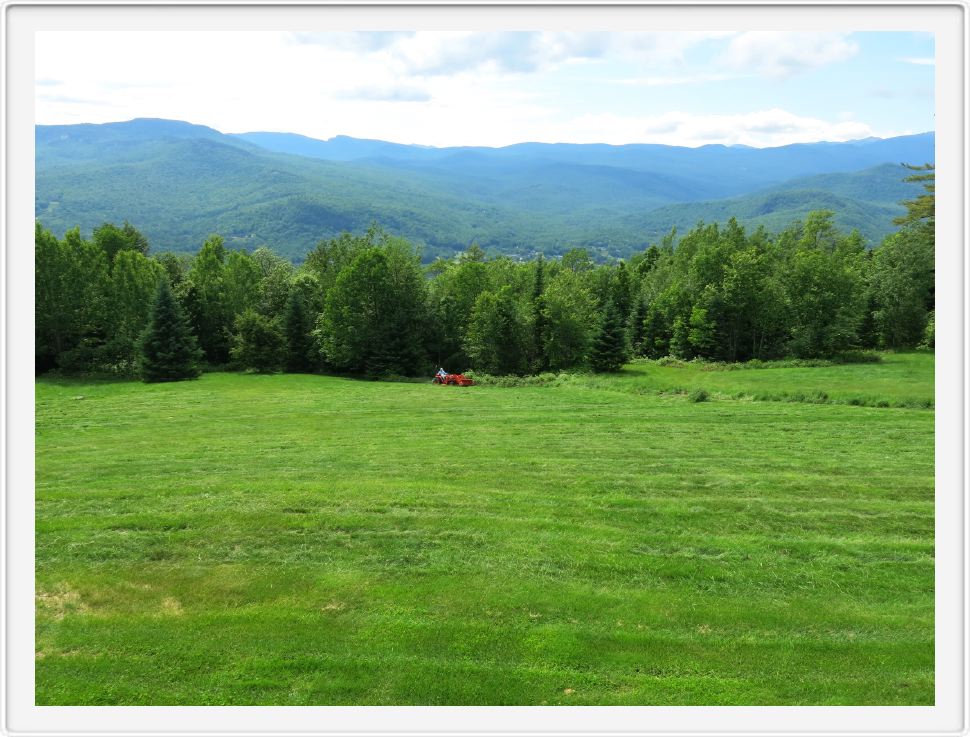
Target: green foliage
[
  {"x": 539, "y": 359},
  {"x": 133, "y": 286},
  {"x": 495, "y": 340},
  {"x": 698, "y": 395},
  {"x": 168, "y": 351},
  {"x": 207, "y": 302},
  {"x": 902, "y": 282},
  {"x": 300, "y": 348},
  {"x": 176, "y": 266},
  {"x": 637, "y": 329},
  {"x": 621, "y": 291},
  {"x": 181, "y": 182},
  {"x": 719, "y": 294},
  {"x": 454, "y": 292},
  {"x": 242, "y": 283},
  {"x": 275, "y": 274},
  {"x": 578, "y": 260},
  {"x": 570, "y": 321},
  {"x": 112, "y": 239},
  {"x": 929, "y": 334},
  {"x": 826, "y": 304},
  {"x": 608, "y": 350},
  {"x": 70, "y": 291},
  {"x": 655, "y": 335},
  {"x": 700, "y": 331},
  {"x": 866, "y": 201},
  {"x": 904, "y": 272},
  {"x": 680, "y": 339},
  {"x": 258, "y": 343},
  {"x": 922, "y": 209},
  {"x": 374, "y": 319}
]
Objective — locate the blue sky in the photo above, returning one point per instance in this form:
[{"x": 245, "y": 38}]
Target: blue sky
[{"x": 465, "y": 88}]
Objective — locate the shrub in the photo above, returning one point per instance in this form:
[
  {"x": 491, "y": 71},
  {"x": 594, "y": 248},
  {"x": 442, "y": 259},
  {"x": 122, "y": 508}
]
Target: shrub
[
  {"x": 858, "y": 357},
  {"x": 258, "y": 343},
  {"x": 698, "y": 395},
  {"x": 929, "y": 333},
  {"x": 91, "y": 356}
]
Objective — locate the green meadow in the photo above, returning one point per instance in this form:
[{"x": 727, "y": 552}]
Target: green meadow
[{"x": 302, "y": 539}]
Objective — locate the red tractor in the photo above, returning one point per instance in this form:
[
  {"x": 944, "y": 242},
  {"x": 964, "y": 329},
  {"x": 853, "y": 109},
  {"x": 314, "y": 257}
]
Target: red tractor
[{"x": 453, "y": 380}]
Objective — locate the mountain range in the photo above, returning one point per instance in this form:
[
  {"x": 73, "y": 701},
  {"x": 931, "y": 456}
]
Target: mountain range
[{"x": 178, "y": 182}]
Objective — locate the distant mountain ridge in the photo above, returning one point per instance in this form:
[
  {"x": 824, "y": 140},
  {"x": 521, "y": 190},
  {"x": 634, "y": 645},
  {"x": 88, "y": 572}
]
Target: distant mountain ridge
[
  {"x": 178, "y": 182},
  {"x": 754, "y": 166}
]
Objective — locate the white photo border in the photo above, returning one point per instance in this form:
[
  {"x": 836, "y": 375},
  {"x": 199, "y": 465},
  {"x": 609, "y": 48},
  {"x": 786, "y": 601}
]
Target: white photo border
[{"x": 21, "y": 19}]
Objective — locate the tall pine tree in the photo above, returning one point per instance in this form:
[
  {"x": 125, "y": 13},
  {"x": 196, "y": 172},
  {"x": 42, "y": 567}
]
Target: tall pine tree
[
  {"x": 608, "y": 352},
  {"x": 299, "y": 344},
  {"x": 168, "y": 351},
  {"x": 637, "y": 329},
  {"x": 540, "y": 361}
]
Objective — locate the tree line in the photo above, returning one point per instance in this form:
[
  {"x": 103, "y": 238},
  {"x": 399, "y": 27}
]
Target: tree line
[{"x": 365, "y": 304}]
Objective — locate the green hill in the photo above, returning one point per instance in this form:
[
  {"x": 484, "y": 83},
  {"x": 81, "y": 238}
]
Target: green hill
[
  {"x": 866, "y": 200},
  {"x": 179, "y": 182}
]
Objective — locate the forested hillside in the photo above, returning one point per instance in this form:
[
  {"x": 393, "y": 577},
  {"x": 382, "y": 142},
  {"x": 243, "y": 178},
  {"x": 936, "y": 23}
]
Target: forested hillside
[
  {"x": 179, "y": 182},
  {"x": 366, "y": 304}
]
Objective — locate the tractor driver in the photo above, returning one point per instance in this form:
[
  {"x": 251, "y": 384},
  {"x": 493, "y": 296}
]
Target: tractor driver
[{"x": 442, "y": 373}]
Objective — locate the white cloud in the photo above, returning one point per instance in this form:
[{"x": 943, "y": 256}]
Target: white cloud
[
  {"x": 675, "y": 80},
  {"x": 584, "y": 87},
  {"x": 443, "y": 53},
  {"x": 771, "y": 127},
  {"x": 783, "y": 54},
  {"x": 385, "y": 93},
  {"x": 350, "y": 40}
]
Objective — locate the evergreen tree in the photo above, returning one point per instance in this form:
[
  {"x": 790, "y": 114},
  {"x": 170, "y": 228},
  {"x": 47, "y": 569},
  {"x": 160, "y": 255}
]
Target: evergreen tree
[
  {"x": 655, "y": 336},
  {"x": 540, "y": 361},
  {"x": 168, "y": 351},
  {"x": 680, "y": 340},
  {"x": 608, "y": 352},
  {"x": 701, "y": 331},
  {"x": 299, "y": 344},
  {"x": 637, "y": 330},
  {"x": 621, "y": 291},
  {"x": 922, "y": 209}
]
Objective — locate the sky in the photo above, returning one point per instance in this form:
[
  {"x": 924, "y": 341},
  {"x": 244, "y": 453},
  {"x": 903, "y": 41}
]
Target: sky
[{"x": 439, "y": 88}]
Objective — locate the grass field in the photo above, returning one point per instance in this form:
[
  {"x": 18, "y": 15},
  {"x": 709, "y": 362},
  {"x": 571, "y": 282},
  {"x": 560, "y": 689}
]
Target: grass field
[
  {"x": 313, "y": 540},
  {"x": 899, "y": 380}
]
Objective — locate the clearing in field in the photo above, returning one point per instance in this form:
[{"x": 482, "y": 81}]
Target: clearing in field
[{"x": 291, "y": 539}]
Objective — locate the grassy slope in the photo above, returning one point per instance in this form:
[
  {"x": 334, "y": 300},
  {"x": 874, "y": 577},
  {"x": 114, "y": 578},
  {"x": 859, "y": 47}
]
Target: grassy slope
[
  {"x": 901, "y": 380},
  {"x": 303, "y": 539}
]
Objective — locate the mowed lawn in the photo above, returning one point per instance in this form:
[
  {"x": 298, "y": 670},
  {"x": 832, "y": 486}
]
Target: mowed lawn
[
  {"x": 247, "y": 539},
  {"x": 900, "y": 379}
]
